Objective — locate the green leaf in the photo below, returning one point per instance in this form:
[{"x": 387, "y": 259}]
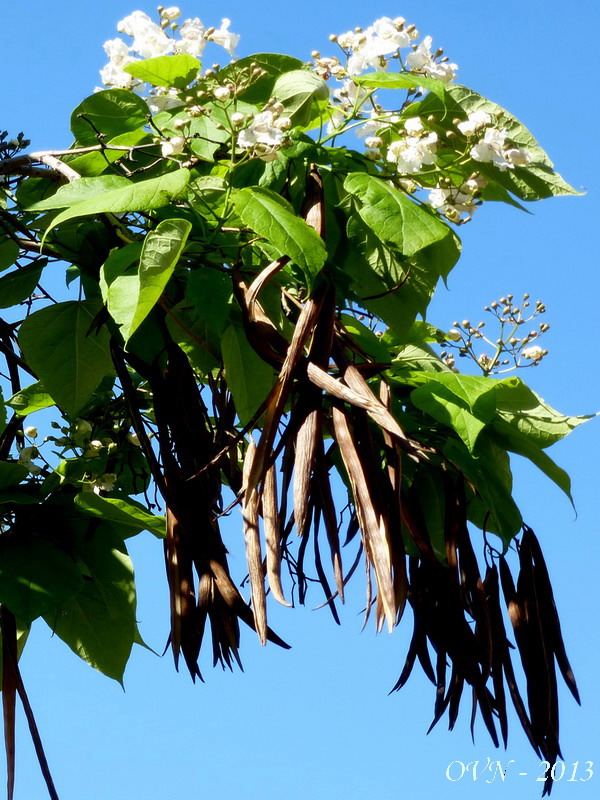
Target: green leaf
[
  {"x": 141, "y": 196},
  {"x": 9, "y": 252},
  {"x": 99, "y": 623},
  {"x": 489, "y": 472},
  {"x": 125, "y": 513},
  {"x": 365, "y": 338},
  {"x": 397, "y": 221},
  {"x": 97, "y": 162},
  {"x": 11, "y": 473},
  {"x": 35, "y": 576},
  {"x": 32, "y": 398},
  {"x": 249, "y": 378},
  {"x": 273, "y": 64},
  {"x": 297, "y": 90},
  {"x": 18, "y": 285},
  {"x": 130, "y": 298},
  {"x": 111, "y": 112},
  {"x": 395, "y": 80},
  {"x": 522, "y": 445},
  {"x": 274, "y": 219},
  {"x": 205, "y": 137},
  {"x": 465, "y": 403},
  {"x": 394, "y": 287},
  {"x": 176, "y": 70},
  {"x": 526, "y": 411},
  {"x": 80, "y": 190},
  {"x": 69, "y": 361}
]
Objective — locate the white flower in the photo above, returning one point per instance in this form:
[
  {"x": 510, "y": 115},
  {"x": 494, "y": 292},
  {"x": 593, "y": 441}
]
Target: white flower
[
  {"x": 163, "y": 100},
  {"x": 490, "y": 148},
  {"x": 373, "y": 142},
  {"x": 170, "y": 13},
  {"x": 387, "y": 37},
  {"x": 31, "y": 432},
  {"x": 517, "y": 156},
  {"x": 133, "y": 23},
  {"x": 149, "y": 39},
  {"x": 172, "y": 146},
  {"x": 421, "y": 56},
  {"x": 237, "y": 119},
  {"x": 261, "y": 131},
  {"x": 421, "y": 60},
  {"x": 438, "y": 197},
  {"x": 349, "y": 40},
  {"x": 192, "y": 38},
  {"x": 409, "y": 154},
  {"x": 224, "y": 37},
  {"x": 443, "y": 71},
  {"x": 105, "y": 483},
  {"x": 533, "y": 353},
  {"x": 113, "y": 75},
  {"x": 413, "y": 125},
  {"x": 117, "y": 52},
  {"x": 474, "y": 122},
  {"x": 25, "y": 460}
]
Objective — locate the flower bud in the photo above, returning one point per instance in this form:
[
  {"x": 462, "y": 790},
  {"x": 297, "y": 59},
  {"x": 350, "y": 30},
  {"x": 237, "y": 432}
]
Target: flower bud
[{"x": 31, "y": 432}]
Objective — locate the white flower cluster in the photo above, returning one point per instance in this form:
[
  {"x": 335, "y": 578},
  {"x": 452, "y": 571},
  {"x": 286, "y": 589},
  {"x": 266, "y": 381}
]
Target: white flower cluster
[
  {"x": 370, "y": 47},
  {"x": 151, "y": 40},
  {"x": 266, "y": 132},
  {"x": 493, "y": 147},
  {"x": 458, "y": 204},
  {"x": 418, "y": 147},
  {"x": 373, "y": 47},
  {"x": 423, "y": 62}
]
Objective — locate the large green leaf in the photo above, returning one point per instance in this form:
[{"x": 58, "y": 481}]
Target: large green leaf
[
  {"x": 463, "y": 402},
  {"x": 530, "y": 415},
  {"x": 132, "y": 517},
  {"x": 397, "y": 221},
  {"x": 274, "y": 219},
  {"x": 141, "y": 196},
  {"x": 249, "y": 378},
  {"x": 131, "y": 296},
  {"x": 35, "y": 576},
  {"x": 68, "y": 358},
  {"x": 397, "y": 80},
  {"x": 297, "y": 90},
  {"x": 110, "y": 112},
  {"x": 18, "y": 285},
  {"x": 80, "y": 190},
  {"x": 273, "y": 65},
  {"x": 393, "y": 286},
  {"x": 176, "y": 70},
  {"x": 99, "y": 623},
  {"x": 32, "y": 398}
]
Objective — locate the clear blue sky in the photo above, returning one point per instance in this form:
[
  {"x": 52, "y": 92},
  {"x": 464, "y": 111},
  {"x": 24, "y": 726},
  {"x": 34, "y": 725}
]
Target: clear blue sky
[{"x": 315, "y": 722}]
